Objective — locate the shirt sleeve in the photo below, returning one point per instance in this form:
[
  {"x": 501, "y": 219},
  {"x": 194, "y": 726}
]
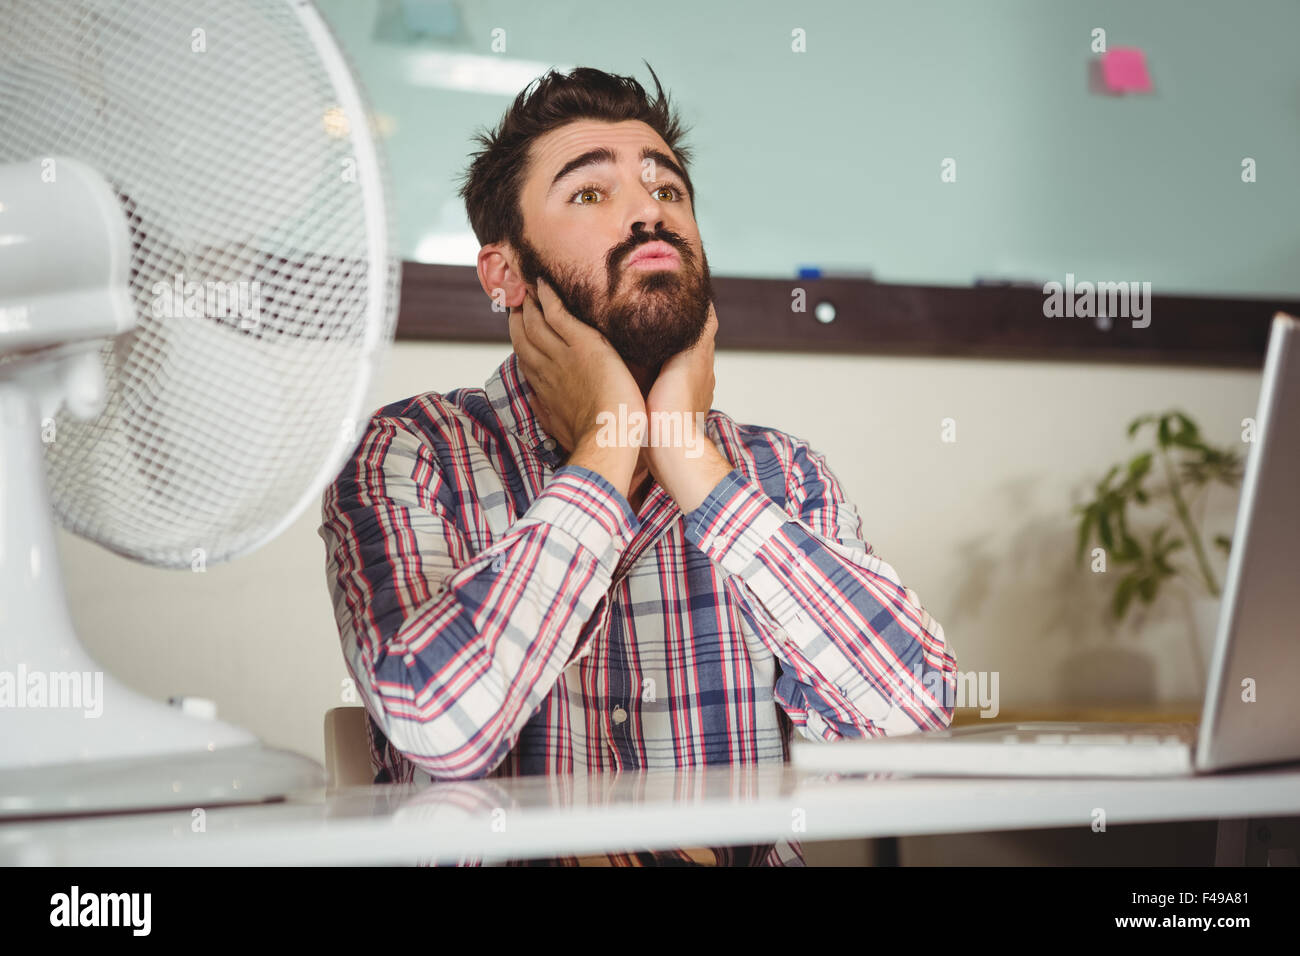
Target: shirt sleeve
[
  {"x": 858, "y": 654},
  {"x": 452, "y": 650}
]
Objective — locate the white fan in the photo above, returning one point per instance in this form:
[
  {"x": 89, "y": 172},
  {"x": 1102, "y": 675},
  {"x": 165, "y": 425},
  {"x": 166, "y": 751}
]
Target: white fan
[{"x": 197, "y": 282}]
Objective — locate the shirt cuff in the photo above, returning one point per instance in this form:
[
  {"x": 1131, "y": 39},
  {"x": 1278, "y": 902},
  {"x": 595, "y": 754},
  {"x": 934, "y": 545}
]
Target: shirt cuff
[
  {"x": 584, "y": 505},
  {"x": 733, "y": 521}
]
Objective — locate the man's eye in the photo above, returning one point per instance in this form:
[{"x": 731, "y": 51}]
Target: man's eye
[{"x": 676, "y": 195}]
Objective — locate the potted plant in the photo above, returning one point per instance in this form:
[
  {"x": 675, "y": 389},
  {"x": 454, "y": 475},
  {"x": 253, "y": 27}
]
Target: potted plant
[{"x": 1189, "y": 466}]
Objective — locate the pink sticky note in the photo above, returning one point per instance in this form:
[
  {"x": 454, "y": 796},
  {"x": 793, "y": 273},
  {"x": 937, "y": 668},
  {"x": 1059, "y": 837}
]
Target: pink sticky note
[{"x": 1124, "y": 70}]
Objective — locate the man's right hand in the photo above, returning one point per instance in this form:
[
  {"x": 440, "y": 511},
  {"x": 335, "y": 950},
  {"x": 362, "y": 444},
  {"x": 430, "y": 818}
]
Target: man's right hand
[{"x": 575, "y": 374}]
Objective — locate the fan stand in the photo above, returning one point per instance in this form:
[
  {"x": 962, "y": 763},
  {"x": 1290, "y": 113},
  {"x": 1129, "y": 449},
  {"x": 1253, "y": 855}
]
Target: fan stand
[{"x": 74, "y": 740}]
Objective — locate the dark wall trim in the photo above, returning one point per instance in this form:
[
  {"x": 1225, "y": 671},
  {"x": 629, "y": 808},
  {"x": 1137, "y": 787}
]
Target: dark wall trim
[{"x": 446, "y": 303}]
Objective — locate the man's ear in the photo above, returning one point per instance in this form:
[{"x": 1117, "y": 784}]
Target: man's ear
[{"x": 499, "y": 276}]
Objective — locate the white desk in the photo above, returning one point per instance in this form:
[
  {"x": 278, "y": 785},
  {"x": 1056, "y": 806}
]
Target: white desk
[{"x": 540, "y": 816}]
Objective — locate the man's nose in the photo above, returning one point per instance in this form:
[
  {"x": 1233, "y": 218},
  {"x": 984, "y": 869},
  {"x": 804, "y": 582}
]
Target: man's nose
[{"x": 646, "y": 213}]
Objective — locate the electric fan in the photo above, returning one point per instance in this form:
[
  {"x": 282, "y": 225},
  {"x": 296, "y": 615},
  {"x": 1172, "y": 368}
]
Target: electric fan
[{"x": 196, "y": 286}]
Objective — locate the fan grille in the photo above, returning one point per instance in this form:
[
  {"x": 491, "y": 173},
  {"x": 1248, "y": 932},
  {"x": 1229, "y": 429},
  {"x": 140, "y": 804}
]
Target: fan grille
[{"x": 264, "y": 293}]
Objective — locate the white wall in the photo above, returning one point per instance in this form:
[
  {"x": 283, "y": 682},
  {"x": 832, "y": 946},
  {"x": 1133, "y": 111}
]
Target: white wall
[{"x": 980, "y": 528}]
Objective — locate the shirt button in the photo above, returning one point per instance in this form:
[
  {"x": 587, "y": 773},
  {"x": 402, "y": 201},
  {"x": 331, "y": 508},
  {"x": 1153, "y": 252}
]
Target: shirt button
[
  {"x": 549, "y": 444},
  {"x": 620, "y": 715}
]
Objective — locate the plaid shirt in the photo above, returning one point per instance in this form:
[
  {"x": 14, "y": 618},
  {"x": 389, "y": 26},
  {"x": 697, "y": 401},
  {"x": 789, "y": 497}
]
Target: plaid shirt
[{"x": 503, "y": 613}]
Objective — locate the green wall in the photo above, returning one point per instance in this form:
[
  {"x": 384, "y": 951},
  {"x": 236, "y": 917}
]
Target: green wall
[{"x": 831, "y": 157}]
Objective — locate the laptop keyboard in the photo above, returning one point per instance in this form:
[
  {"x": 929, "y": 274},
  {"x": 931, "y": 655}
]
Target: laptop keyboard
[{"x": 1173, "y": 733}]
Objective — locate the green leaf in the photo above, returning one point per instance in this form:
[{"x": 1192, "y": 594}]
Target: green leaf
[
  {"x": 1189, "y": 428},
  {"x": 1223, "y": 542},
  {"x": 1123, "y": 596},
  {"x": 1147, "y": 588},
  {"x": 1228, "y": 468},
  {"x": 1084, "y": 527},
  {"x": 1138, "y": 422},
  {"x": 1188, "y": 441},
  {"x": 1163, "y": 432},
  {"x": 1166, "y": 569},
  {"x": 1139, "y": 466},
  {"x": 1103, "y": 529}
]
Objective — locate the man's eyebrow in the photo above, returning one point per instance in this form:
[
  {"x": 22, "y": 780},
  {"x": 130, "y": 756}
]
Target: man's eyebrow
[{"x": 603, "y": 154}]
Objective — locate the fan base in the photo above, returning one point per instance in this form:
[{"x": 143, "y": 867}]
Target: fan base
[{"x": 194, "y": 781}]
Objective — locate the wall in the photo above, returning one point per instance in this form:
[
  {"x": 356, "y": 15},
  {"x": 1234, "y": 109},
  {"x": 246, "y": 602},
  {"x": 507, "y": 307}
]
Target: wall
[
  {"x": 831, "y": 157},
  {"x": 981, "y": 528}
]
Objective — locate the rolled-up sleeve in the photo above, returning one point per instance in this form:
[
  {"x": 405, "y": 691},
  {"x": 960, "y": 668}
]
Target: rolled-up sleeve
[
  {"x": 453, "y": 650},
  {"x": 859, "y": 655}
]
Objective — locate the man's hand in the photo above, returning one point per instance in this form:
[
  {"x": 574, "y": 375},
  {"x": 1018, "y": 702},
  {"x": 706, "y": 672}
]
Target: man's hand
[
  {"x": 575, "y": 374},
  {"x": 684, "y": 388}
]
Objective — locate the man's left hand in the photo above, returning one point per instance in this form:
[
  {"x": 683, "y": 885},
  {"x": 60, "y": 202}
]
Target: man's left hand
[{"x": 688, "y": 470}]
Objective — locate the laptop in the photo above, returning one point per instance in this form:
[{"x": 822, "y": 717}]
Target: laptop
[{"x": 1251, "y": 711}]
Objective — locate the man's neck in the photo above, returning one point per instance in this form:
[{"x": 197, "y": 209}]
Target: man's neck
[{"x": 645, "y": 379}]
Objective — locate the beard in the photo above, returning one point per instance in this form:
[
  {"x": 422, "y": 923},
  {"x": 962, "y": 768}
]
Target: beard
[{"x": 662, "y": 312}]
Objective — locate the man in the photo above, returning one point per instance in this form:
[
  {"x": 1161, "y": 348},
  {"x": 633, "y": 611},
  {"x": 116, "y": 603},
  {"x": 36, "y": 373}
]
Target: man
[{"x": 525, "y": 583}]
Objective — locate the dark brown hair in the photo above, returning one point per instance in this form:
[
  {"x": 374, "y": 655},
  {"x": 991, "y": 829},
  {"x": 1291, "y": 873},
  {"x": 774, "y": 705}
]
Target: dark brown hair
[{"x": 495, "y": 178}]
